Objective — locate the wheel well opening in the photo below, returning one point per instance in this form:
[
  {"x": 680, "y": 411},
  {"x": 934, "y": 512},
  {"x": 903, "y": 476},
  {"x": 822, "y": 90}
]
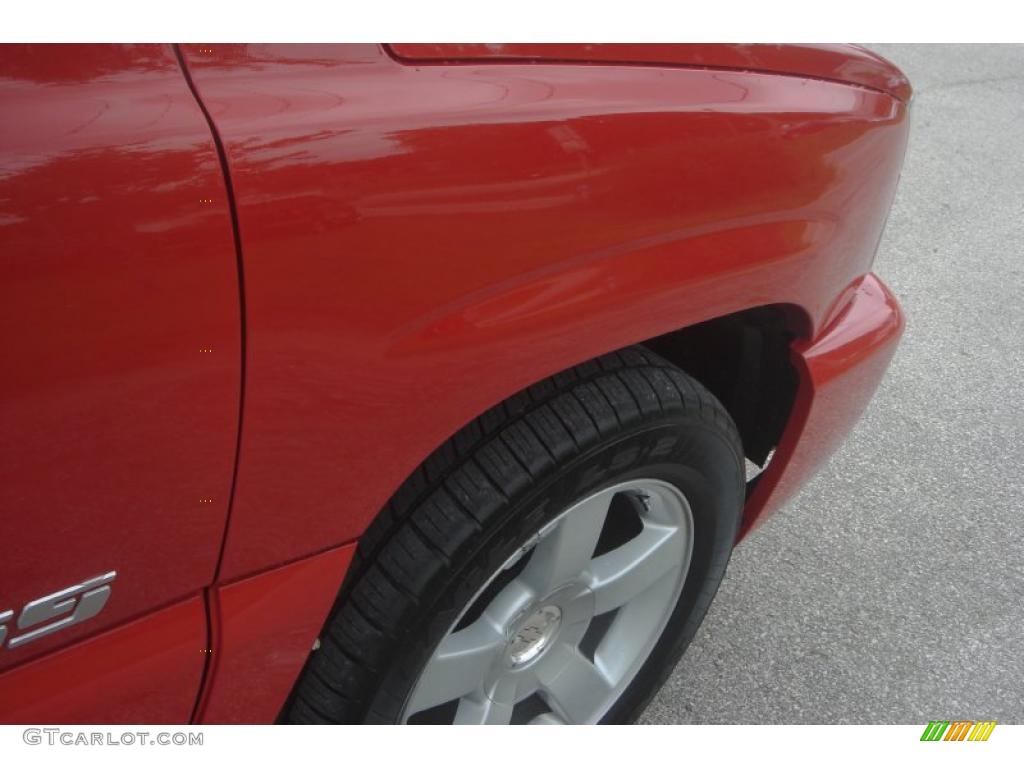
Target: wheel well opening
[{"x": 744, "y": 360}]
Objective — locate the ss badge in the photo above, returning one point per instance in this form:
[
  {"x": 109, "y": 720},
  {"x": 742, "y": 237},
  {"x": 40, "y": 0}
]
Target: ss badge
[{"x": 61, "y": 609}]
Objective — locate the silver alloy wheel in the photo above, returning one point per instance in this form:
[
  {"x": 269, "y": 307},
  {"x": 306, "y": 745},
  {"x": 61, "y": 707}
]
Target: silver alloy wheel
[{"x": 527, "y": 641}]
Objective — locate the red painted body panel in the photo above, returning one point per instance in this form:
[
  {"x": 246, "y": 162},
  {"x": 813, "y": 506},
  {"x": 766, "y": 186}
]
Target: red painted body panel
[
  {"x": 265, "y": 627},
  {"x": 114, "y": 425},
  {"x": 256, "y": 661},
  {"x": 843, "y": 63},
  {"x": 421, "y": 242},
  {"x": 145, "y": 671},
  {"x": 839, "y": 372}
]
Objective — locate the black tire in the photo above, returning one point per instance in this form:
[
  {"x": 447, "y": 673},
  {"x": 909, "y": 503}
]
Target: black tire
[{"x": 487, "y": 490}]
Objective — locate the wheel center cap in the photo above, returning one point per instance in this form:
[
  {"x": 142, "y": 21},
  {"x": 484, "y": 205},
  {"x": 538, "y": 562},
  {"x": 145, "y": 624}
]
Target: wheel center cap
[{"x": 534, "y": 634}]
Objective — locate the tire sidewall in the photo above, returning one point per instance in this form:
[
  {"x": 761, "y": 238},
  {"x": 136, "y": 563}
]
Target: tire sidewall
[{"x": 684, "y": 450}]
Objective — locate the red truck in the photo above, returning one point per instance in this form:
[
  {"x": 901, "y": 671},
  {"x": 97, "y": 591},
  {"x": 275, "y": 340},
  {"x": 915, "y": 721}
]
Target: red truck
[{"x": 415, "y": 383}]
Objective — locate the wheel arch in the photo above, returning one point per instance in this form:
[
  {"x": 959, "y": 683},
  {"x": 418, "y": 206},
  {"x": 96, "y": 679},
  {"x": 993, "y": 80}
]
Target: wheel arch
[{"x": 743, "y": 358}]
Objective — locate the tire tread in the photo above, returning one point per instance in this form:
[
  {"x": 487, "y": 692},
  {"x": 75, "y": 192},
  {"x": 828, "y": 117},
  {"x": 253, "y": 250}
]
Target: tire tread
[{"x": 446, "y": 503}]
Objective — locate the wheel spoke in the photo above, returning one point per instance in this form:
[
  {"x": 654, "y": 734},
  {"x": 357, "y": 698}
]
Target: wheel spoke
[
  {"x": 572, "y": 685},
  {"x": 618, "y": 576},
  {"x": 548, "y": 718},
  {"x": 563, "y": 554},
  {"x": 493, "y": 709},
  {"x": 578, "y": 608},
  {"x": 458, "y": 666},
  {"x": 507, "y": 604}
]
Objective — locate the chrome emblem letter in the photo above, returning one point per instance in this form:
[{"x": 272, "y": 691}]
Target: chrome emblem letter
[
  {"x": 4, "y": 616},
  {"x": 83, "y": 601}
]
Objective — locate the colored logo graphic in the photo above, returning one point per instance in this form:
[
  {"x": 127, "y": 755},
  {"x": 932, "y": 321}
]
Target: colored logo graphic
[{"x": 958, "y": 730}]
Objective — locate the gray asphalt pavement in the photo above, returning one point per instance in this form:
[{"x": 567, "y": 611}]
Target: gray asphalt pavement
[{"x": 891, "y": 590}]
